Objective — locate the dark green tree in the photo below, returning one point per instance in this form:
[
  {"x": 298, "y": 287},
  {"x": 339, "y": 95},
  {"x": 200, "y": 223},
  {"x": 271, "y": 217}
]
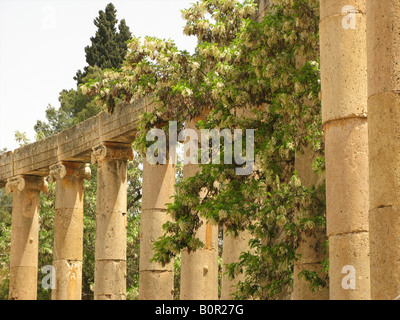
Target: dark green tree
[{"x": 108, "y": 46}]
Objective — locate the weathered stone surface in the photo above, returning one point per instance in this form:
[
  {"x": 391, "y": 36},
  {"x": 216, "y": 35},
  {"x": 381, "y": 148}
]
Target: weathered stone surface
[
  {"x": 346, "y": 152},
  {"x": 383, "y": 46},
  {"x": 334, "y": 7},
  {"x": 24, "y": 236},
  {"x": 385, "y": 248},
  {"x": 110, "y": 280},
  {"x": 23, "y": 283},
  {"x": 36, "y": 158},
  {"x": 159, "y": 185},
  {"x": 111, "y": 221},
  {"x": 121, "y": 126},
  {"x": 343, "y": 68},
  {"x": 199, "y": 275},
  {"x": 384, "y": 156},
  {"x": 111, "y": 236},
  {"x": 151, "y": 223},
  {"x": 74, "y": 144},
  {"x": 351, "y": 249},
  {"x": 344, "y": 115},
  {"x": 383, "y": 34},
  {"x": 155, "y": 281},
  {"x": 25, "y": 228},
  {"x": 6, "y": 167},
  {"x": 70, "y": 187},
  {"x": 231, "y": 251},
  {"x": 68, "y": 234},
  {"x": 68, "y": 228},
  {"x": 68, "y": 280},
  {"x": 156, "y": 285}
]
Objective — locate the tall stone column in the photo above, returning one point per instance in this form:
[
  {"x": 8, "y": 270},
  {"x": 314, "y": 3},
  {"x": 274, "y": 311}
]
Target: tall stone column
[
  {"x": 111, "y": 220},
  {"x": 231, "y": 250},
  {"x": 156, "y": 282},
  {"x": 383, "y": 38},
  {"x": 199, "y": 269},
  {"x": 24, "y": 235},
  {"x": 344, "y": 115},
  {"x": 68, "y": 228}
]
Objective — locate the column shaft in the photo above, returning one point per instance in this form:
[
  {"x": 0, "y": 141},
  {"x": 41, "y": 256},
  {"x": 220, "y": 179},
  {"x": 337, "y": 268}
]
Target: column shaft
[
  {"x": 24, "y": 236},
  {"x": 383, "y": 38},
  {"x": 199, "y": 269},
  {"x": 311, "y": 246},
  {"x": 68, "y": 229},
  {"x": 231, "y": 251},
  {"x": 156, "y": 282},
  {"x": 344, "y": 115},
  {"x": 111, "y": 221}
]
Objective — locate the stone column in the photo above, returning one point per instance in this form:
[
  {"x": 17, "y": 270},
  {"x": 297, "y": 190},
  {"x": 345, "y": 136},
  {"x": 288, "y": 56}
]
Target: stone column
[
  {"x": 24, "y": 235},
  {"x": 111, "y": 220},
  {"x": 344, "y": 115},
  {"x": 311, "y": 246},
  {"x": 231, "y": 250},
  {"x": 263, "y": 6},
  {"x": 199, "y": 269},
  {"x": 156, "y": 282},
  {"x": 383, "y": 38},
  {"x": 68, "y": 228}
]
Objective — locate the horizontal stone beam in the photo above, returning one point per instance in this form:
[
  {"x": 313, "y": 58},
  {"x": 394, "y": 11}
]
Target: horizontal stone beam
[{"x": 75, "y": 143}]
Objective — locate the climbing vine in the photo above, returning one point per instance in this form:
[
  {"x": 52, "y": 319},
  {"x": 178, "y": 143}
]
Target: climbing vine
[{"x": 261, "y": 75}]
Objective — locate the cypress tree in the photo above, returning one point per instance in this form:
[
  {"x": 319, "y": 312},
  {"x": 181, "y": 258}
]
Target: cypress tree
[{"x": 108, "y": 47}]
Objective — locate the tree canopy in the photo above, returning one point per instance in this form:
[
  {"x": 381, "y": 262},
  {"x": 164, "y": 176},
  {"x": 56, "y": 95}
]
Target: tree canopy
[{"x": 108, "y": 46}]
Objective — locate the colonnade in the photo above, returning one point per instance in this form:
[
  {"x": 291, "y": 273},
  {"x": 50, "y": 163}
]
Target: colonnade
[
  {"x": 360, "y": 52},
  {"x": 199, "y": 271}
]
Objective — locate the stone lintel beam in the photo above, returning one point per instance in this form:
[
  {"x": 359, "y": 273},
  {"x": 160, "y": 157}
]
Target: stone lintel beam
[{"x": 74, "y": 144}]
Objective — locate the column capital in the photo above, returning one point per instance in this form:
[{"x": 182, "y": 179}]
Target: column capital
[
  {"x": 62, "y": 169},
  {"x": 112, "y": 151},
  {"x": 21, "y": 182}
]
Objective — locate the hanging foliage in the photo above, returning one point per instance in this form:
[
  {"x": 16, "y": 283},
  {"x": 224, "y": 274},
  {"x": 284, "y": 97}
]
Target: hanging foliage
[{"x": 248, "y": 75}]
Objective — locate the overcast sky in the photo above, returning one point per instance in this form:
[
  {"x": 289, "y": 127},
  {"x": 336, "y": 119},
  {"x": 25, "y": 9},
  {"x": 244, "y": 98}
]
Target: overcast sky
[{"x": 42, "y": 46}]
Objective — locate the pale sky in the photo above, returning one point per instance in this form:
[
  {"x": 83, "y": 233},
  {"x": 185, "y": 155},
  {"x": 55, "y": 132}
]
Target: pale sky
[{"x": 42, "y": 46}]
